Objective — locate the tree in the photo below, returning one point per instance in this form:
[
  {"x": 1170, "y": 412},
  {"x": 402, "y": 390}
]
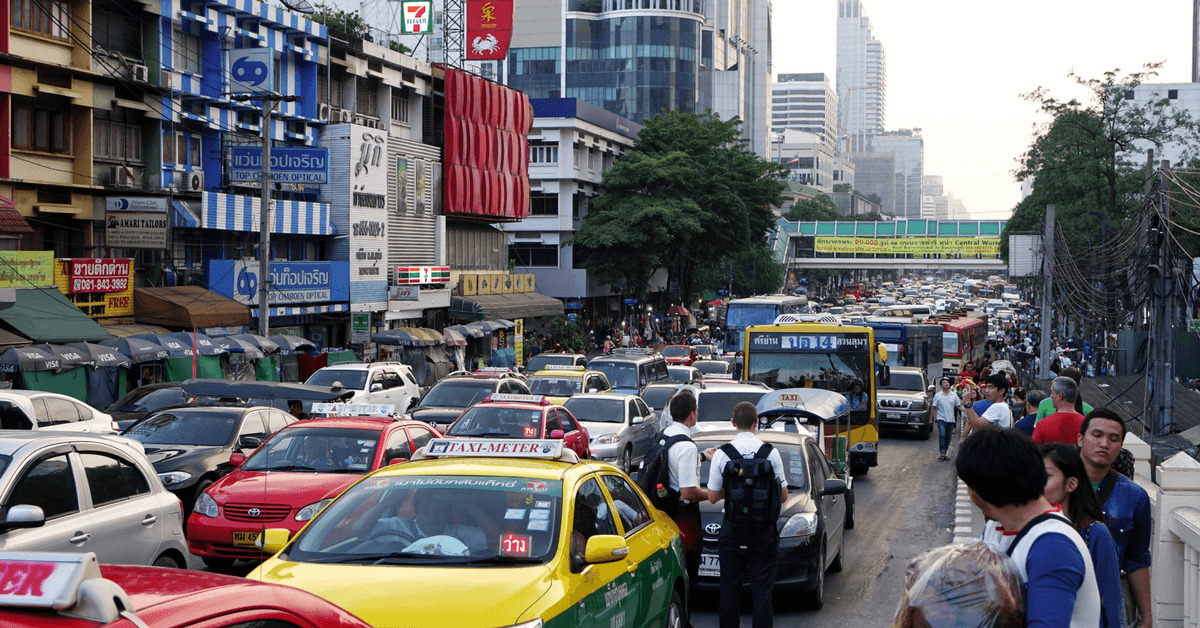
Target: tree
[
  {"x": 570, "y": 335},
  {"x": 819, "y": 208},
  {"x": 874, "y": 198},
  {"x": 687, "y": 195}
]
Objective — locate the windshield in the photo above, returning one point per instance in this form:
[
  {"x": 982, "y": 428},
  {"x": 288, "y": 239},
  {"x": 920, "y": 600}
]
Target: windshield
[
  {"x": 904, "y": 381},
  {"x": 592, "y": 410},
  {"x": 675, "y": 351},
  {"x": 619, "y": 374},
  {"x": 793, "y": 464},
  {"x": 742, "y": 316},
  {"x": 350, "y": 379},
  {"x": 316, "y": 449},
  {"x": 831, "y": 371},
  {"x": 498, "y": 422},
  {"x": 148, "y": 400},
  {"x": 205, "y": 429},
  {"x": 555, "y": 386},
  {"x": 708, "y": 367},
  {"x": 457, "y": 393},
  {"x": 436, "y": 520},
  {"x": 717, "y": 405},
  {"x": 680, "y": 373},
  {"x": 542, "y": 360},
  {"x": 949, "y": 342},
  {"x": 657, "y": 397}
]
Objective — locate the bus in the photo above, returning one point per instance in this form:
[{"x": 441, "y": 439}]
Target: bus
[
  {"x": 964, "y": 339},
  {"x": 759, "y": 310},
  {"x": 828, "y": 356},
  {"x": 913, "y": 344}
]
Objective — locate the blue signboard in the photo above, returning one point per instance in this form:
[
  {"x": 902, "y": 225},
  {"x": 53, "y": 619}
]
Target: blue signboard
[
  {"x": 631, "y": 301},
  {"x": 292, "y": 283},
  {"x": 571, "y": 317},
  {"x": 573, "y": 305},
  {"x": 288, "y": 165},
  {"x": 251, "y": 70}
]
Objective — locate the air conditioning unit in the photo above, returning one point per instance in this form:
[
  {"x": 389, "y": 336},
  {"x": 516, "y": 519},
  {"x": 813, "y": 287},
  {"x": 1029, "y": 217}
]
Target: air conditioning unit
[
  {"x": 191, "y": 181},
  {"x": 120, "y": 176},
  {"x": 347, "y": 116},
  {"x": 140, "y": 73},
  {"x": 323, "y": 112},
  {"x": 361, "y": 120}
]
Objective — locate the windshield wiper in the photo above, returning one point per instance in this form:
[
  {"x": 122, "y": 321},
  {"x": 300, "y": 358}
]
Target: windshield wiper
[{"x": 285, "y": 467}]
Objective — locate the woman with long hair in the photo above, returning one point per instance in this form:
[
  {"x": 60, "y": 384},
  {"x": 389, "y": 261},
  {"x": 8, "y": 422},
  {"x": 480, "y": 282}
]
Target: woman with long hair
[{"x": 1067, "y": 484}]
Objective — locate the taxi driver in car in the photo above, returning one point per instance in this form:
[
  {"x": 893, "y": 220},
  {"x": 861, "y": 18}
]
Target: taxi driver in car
[{"x": 422, "y": 523}]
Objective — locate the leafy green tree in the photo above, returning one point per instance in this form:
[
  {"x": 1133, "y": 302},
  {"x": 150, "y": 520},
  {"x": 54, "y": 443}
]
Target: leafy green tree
[
  {"x": 570, "y": 335},
  {"x": 819, "y": 208},
  {"x": 684, "y": 197}
]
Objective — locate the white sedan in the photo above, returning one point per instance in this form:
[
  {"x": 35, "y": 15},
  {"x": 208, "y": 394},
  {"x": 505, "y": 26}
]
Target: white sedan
[{"x": 38, "y": 410}]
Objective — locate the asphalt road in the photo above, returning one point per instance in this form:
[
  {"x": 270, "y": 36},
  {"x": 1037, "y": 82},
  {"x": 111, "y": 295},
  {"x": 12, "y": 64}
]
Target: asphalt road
[{"x": 904, "y": 507}]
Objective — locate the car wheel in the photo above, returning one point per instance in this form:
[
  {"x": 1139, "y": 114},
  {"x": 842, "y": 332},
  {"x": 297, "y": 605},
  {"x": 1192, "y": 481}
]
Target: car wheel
[
  {"x": 627, "y": 460},
  {"x": 217, "y": 563},
  {"x": 167, "y": 560},
  {"x": 675, "y": 612},
  {"x": 815, "y": 599},
  {"x": 849, "y": 509},
  {"x": 923, "y": 432}
]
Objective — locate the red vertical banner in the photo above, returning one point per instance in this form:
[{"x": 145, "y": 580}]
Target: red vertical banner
[{"x": 489, "y": 28}]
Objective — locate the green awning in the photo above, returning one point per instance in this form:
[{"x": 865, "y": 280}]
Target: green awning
[{"x": 45, "y": 315}]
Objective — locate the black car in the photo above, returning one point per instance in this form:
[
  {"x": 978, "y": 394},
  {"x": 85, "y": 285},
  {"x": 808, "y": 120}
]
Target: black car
[
  {"x": 190, "y": 447},
  {"x": 449, "y": 397},
  {"x": 143, "y": 400}
]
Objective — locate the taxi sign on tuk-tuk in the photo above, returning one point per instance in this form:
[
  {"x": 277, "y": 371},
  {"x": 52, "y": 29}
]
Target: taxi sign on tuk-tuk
[
  {"x": 549, "y": 449},
  {"x": 354, "y": 409},
  {"x": 538, "y": 399}
]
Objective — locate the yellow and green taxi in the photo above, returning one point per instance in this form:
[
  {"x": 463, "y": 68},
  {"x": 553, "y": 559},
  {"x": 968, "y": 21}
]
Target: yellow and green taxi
[
  {"x": 490, "y": 532},
  {"x": 558, "y": 382}
]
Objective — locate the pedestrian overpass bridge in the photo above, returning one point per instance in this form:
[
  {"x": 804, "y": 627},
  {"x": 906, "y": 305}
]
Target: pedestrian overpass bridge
[{"x": 890, "y": 244}]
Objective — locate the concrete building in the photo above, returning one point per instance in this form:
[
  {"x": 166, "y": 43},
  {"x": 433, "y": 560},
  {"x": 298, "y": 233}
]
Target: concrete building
[
  {"x": 875, "y": 173},
  {"x": 805, "y": 102},
  {"x": 935, "y": 201},
  {"x": 907, "y": 149},
  {"x": 811, "y": 160},
  {"x": 861, "y": 78},
  {"x": 1179, "y": 96}
]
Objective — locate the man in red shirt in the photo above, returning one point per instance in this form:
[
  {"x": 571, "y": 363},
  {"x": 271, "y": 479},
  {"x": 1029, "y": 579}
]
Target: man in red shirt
[{"x": 1063, "y": 425}]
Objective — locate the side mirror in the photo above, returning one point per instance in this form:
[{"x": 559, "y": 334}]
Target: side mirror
[
  {"x": 931, "y": 389},
  {"x": 23, "y": 516},
  {"x": 885, "y": 375},
  {"x": 556, "y": 434},
  {"x": 637, "y": 420},
  {"x": 273, "y": 539},
  {"x": 397, "y": 461},
  {"x": 237, "y": 458},
  {"x": 605, "y": 548},
  {"x": 412, "y": 403},
  {"x": 249, "y": 442},
  {"x": 833, "y": 486},
  {"x": 592, "y": 390},
  {"x": 376, "y": 387}
]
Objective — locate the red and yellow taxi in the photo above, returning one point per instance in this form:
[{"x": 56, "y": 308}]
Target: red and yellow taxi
[
  {"x": 53, "y": 590},
  {"x": 291, "y": 477},
  {"x": 490, "y": 532},
  {"x": 521, "y": 416}
]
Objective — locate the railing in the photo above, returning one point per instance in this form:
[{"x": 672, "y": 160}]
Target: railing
[{"x": 1175, "y": 538}]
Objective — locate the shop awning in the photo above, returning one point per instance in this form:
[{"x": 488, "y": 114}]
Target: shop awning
[
  {"x": 229, "y": 212},
  {"x": 187, "y": 307},
  {"x": 410, "y": 337},
  {"x": 9, "y": 339},
  {"x": 508, "y": 306},
  {"x": 11, "y": 221},
  {"x": 133, "y": 329},
  {"x": 183, "y": 215},
  {"x": 45, "y": 315}
]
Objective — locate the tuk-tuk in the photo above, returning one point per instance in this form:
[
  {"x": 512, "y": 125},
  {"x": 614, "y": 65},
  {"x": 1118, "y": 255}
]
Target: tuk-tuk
[{"x": 811, "y": 409}]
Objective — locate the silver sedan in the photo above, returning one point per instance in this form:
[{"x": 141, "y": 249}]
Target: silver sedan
[{"x": 621, "y": 427}]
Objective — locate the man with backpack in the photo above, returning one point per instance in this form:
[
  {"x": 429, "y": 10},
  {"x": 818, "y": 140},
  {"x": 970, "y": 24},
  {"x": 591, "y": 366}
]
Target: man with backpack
[{"x": 748, "y": 474}]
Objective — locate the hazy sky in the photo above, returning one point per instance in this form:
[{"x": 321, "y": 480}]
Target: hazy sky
[{"x": 957, "y": 70}]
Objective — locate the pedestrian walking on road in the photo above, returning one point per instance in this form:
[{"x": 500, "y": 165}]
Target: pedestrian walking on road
[
  {"x": 946, "y": 404},
  {"x": 749, "y": 541},
  {"x": 1032, "y": 399}
]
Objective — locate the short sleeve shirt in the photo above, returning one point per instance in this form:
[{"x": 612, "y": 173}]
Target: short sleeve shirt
[
  {"x": 946, "y": 403},
  {"x": 1060, "y": 427},
  {"x": 999, "y": 415},
  {"x": 683, "y": 459},
  {"x": 747, "y": 444}
]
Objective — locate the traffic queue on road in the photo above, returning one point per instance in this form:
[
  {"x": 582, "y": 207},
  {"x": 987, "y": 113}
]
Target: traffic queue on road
[{"x": 511, "y": 493}]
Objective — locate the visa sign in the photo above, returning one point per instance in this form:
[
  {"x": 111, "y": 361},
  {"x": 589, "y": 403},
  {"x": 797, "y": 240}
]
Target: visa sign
[
  {"x": 251, "y": 70},
  {"x": 288, "y": 165}
]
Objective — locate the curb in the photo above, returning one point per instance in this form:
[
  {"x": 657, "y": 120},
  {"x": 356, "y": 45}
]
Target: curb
[{"x": 964, "y": 512}]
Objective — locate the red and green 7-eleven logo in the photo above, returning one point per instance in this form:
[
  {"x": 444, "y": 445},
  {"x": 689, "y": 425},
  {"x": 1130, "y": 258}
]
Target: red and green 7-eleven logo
[{"x": 417, "y": 16}]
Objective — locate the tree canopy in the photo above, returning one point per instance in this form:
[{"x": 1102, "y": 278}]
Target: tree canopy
[{"x": 688, "y": 196}]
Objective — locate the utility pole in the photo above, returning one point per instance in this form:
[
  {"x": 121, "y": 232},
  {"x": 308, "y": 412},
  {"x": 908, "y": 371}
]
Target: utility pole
[
  {"x": 1162, "y": 335},
  {"x": 1047, "y": 291}
]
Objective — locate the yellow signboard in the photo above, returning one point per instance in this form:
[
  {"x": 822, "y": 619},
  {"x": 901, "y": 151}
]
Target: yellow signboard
[
  {"x": 102, "y": 288},
  {"x": 987, "y": 247},
  {"x": 26, "y": 269},
  {"x": 519, "y": 341},
  {"x": 491, "y": 283}
]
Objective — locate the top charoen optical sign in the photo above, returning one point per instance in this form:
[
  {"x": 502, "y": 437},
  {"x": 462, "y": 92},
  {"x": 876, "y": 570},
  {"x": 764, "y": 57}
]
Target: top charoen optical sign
[{"x": 418, "y": 16}]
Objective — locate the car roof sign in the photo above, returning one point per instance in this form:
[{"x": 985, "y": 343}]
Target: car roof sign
[
  {"x": 60, "y": 581},
  {"x": 550, "y": 449},
  {"x": 354, "y": 409},
  {"x": 565, "y": 367},
  {"x": 494, "y": 369},
  {"x": 538, "y": 399}
]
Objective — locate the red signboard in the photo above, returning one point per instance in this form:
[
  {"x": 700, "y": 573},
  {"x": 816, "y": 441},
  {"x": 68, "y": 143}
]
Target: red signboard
[
  {"x": 99, "y": 275},
  {"x": 489, "y": 28}
]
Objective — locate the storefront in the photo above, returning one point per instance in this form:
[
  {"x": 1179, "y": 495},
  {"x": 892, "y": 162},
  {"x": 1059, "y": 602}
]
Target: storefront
[{"x": 306, "y": 299}]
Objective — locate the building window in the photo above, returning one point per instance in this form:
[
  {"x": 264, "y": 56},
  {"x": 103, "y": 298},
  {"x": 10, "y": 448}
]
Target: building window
[
  {"x": 186, "y": 49},
  {"x": 48, "y": 17},
  {"x": 543, "y": 154},
  {"x": 400, "y": 105},
  {"x": 1129, "y": 94},
  {"x": 541, "y": 204},
  {"x": 366, "y": 101},
  {"x": 114, "y": 140},
  {"x": 181, "y": 149},
  {"x": 41, "y": 125},
  {"x": 1172, "y": 94},
  {"x": 526, "y": 255},
  {"x": 591, "y": 160},
  {"x": 116, "y": 30}
]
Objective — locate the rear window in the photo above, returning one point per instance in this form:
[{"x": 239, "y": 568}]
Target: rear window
[
  {"x": 657, "y": 397},
  {"x": 349, "y": 379},
  {"x": 718, "y": 405}
]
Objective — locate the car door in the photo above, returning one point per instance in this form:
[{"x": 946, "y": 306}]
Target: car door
[
  {"x": 126, "y": 516},
  {"x": 395, "y": 446},
  {"x": 378, "y": 376},
  {"x": 573, "y": 434},
  {"x": 50, "y": 480},
  {"x": 60, "y": 414},
  {"x": 832, "y": 507},
  {"x": 420, "y": 436},
  {"x": 597, "y": 590},
  {"x": 643, "y": 434},
  {"x": 648, "y": 592},
  {"x": 253, "y": 424}
]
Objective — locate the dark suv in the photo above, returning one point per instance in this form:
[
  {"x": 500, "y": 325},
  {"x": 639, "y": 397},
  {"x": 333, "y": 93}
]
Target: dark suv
[{"x": 629, "y": 370}]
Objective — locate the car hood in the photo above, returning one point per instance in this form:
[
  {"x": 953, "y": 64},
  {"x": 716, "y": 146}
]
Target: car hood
[
  {"x": 297, "y": 489},
  {"x": 175, "y": 457},
  {"x": 595, "y": 429},
  {"x": 913, "y": 395},
  {"x": 484, "y": 593},
  {"x": 436, "y": 414}
]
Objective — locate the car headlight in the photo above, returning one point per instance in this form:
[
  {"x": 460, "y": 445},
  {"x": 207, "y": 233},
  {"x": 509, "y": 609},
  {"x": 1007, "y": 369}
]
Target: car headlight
[
  {"x": 205, "y": 505},
  {"x": 917, "y": 405},
  {"x": 174, "y": 478},
  {"x": 311, "y": 510},
  {"x": 863, "y": 446},
  {"x": 802, "y": 524},
  {"x": 605, "y": 439},
  {"x": 536, "y": 623}
]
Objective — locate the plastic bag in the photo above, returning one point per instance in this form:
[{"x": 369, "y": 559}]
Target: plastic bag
[{"x": 966, "y": 584}]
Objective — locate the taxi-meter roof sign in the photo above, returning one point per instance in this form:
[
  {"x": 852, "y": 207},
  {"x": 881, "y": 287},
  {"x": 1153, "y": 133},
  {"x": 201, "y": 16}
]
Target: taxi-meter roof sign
[
  {"x": 44, "y": 579},
  {"x": 354, "y": 409},
  {"x": 538, "y": 399},
  {"x": 565, "y": 367},
  {"x": 549, "y": 449}
]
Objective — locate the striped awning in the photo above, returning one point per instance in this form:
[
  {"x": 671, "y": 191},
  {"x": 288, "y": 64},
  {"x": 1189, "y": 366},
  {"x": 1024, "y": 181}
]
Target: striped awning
[
  {"x": 229, "y": 212},
  {"x": 183, "y": 216},
  {"x": 311, "y": 309}
]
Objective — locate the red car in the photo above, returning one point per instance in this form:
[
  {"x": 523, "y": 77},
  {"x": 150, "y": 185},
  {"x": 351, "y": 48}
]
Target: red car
[
  {"x": 151, "y": 597},
  {"x": 680, "y": 354},
  {"x": 291, "y": 477},
  {"x": 521, "y": 416}
]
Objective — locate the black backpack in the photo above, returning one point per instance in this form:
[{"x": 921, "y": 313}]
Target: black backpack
[
  {"x": 655, "y": 470},
  {"x": 752, "y": 494}
]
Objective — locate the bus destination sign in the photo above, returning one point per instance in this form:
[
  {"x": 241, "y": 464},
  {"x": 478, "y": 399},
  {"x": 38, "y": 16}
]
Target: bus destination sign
[{"x": 777, "y": 341}]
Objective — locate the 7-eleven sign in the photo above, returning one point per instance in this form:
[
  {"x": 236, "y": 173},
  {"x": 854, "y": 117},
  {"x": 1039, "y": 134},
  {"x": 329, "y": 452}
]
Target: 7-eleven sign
[{"x": 418, "y": 16}]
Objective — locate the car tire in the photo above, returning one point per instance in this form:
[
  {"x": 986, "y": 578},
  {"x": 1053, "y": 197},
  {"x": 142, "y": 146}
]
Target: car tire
[
  {"x": 676, "y": 614},
  {"x": 849, "y": 510},
  {"x": 924, "y": 431},
  {"x": 627, "y": 460},
  {"x": 166, "y": 559},
  {"x": 217, "y": 563},
  {"x": 815, "y": 598}
]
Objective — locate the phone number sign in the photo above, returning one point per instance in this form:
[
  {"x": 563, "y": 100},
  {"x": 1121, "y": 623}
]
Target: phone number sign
[
  {"x": 102, "y": 287},
  {"x": 99, "y": 275}
]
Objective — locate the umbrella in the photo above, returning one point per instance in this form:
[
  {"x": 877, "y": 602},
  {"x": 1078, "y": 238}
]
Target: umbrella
[
  {"x": 486, "y": 327},
  {"x": 237, "y": 345},
  {"x": 265, "y": 344},
  {"x": 137, "y": 349},
  {"x": 173, "y": 346},
  {"x": 716, "y": 302},
  {"x": 454, "y": 338},
  {"x": 678, "y": 310},
  {"x": 68, "y": 357},
  {"x": 20, "y": 359},
  {"x": 102, "y": 355},
  {"x": 507, "y": 323},
  {"x": 467, "y": 331},
  {"x": 288, "y": 344},
  {"x": 407, "y": 336},
  {"x": 203, "y": 344}
]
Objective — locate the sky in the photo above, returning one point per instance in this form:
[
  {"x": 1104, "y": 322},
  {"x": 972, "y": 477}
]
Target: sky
[{"x": 957, "y": 70}]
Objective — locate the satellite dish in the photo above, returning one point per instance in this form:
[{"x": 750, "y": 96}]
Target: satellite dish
[{"x": 300, "y": 6}]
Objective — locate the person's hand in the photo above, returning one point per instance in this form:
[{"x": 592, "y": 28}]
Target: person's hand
[{"x": 708, "y": 453}]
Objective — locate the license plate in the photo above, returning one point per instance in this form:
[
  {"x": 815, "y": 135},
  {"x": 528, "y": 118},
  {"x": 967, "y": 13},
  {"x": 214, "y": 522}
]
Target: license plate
[
  {"x": 709, "y": 567},
  {"x": 893, "y": 415},
  {"x": 245, "y": 539}
]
